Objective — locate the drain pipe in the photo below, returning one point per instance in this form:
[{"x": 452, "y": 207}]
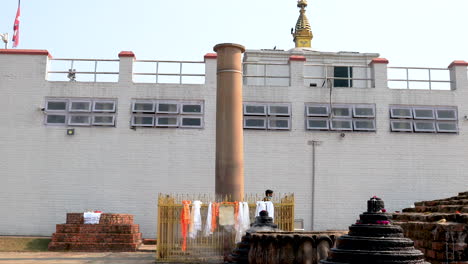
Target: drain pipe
[{"x": 313, "y": 143}]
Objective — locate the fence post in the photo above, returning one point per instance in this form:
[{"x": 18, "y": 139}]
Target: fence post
[
  {"x": 458, "y": 74},
  {"x": 296, "y": 70},
  {"x": 379, "y": 72},
  {"x": 126, "y": 66}
]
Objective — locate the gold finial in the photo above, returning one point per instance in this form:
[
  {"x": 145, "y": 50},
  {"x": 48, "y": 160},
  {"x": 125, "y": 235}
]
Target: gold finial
[{"x": 302, "y": 33}]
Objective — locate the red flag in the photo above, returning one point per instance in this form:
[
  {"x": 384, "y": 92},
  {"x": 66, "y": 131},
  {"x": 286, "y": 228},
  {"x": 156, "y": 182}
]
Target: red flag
[{"x": 16, "y": 28}]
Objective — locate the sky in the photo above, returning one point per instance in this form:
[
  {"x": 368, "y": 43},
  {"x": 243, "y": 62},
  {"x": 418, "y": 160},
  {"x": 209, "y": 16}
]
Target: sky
[{"x": 429, "y": 33}]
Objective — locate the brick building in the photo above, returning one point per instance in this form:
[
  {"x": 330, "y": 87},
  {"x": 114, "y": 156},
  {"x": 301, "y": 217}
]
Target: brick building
[{"x": 332, "y": 127}]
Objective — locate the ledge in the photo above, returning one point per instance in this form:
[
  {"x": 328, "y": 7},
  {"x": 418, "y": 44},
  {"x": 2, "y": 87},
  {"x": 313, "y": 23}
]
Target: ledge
[
  {"x": 297, "y": 58},
  {"x": 379, "y": 61},
  {"x": 126, "y": 54},
  {"x": 211, "y": 56},
  {"x": 458, "y": 63},
  {"x": 25, "y": 52}
]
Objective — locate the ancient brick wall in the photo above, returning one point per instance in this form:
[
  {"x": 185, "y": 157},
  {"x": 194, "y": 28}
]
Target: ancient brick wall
[
  {"x": 115, "y": 232},
  {"x": 439, "y": 228}
]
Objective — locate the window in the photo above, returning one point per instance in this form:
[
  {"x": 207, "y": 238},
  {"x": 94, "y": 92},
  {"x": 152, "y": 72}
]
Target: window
[
  {"x": 271, "y": 116},
  {"x": 192, "y": 108},
  {"x": 337, "y": 124},
  {"x": 364, "y": 111},
  {"x": 342, "y": 117},
  {"x": 424, "y": 126},
  {"x": 255, "y": 122},
  {"x": 104, "y": 106},
  {"x": 191, "y": 122},
  {"x": 167, "y": 107},
  {"x": 55, "y": 119},
  {"x": 446, "y": 114},
  {"x": 103, "y": 120},
  {"x": 343, "y": 76},
  {"x": 317, "y": 110},
  {"x": 255, "y": 109},
  {"x": 56, "y": 105},
  {"x": 80, "y": 112},
  {"x": 423, "y": 119},
  {"x": 167, "y": 114},
  {"x": 80, "y": 106},
  {"x": 401, "y": 112},
  {"x": 143, "y": 120},
  {"x": 79, "y": 120},
  {"x": 341, "y": 111},
  {"x": 401, "y": 125},
  {"x": 278, "y": 123},
  {"x": 317, "y": 124},
  {"x": 167, "y": 121},
  {"x": 143, "y": 107},
  {"x": 364, "y": 125},
  {"x": 423, "y": 113}
]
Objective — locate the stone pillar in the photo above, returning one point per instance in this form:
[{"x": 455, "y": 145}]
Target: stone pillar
[
  {"x": 458, "y": 74},
  {"x": 379, "y": 73},
  {"x": 229, "y": 122}
]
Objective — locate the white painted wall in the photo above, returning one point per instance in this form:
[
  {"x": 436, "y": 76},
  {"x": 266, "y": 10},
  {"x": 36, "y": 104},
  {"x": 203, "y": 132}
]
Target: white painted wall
[{"x": 45, "y": 173}]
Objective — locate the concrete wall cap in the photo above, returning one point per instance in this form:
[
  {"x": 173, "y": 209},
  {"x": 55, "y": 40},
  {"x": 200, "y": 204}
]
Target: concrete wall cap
[
  {"x": 458, "y": 63},
  {"x": 222, "y": 45},
  {"x": 297, "y": 58},
  {"x": 379, "y": 60},
  {"x": 127, "y": 54},
  {"x": 211, "y": 56},
  {"x": 25, "y": 52}
]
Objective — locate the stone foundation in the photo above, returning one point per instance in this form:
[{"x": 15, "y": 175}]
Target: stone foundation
[
  {"x": 290, "y": 247},
  {"x": 115, "y": 232},
  {"x": 439, "y": 228}
]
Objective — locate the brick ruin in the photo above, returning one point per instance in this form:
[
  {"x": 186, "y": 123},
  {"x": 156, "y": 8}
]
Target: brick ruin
[
  {"x": 439, "y": 228},
  {"x": 115, "y": 232}
]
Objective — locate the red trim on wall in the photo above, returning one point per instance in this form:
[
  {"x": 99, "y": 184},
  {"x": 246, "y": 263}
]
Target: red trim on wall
[
  {"x": 25, "y": 52},
  {"x": 458, "y": 63},
  {"x": 379, "y": 60},
  {"x": 211, "y": 56},
  {"x": 126, "y": 54},
  {"x": 297, "y": 58}
]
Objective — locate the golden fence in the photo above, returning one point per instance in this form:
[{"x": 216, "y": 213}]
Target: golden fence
[{"x": 211, "y": 248}]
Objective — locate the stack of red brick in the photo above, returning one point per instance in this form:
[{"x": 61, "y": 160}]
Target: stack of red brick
[
  {"x": 439, "y": 228},
  {"x": 115, "y": 232}
]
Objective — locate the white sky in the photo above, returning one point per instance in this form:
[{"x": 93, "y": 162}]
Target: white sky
[{"x": 428, "y": 33}]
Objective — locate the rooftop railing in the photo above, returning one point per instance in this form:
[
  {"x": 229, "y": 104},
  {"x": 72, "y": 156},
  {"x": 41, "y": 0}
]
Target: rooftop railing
[
  {"x": 161, "y": 71},
  {"x": 323, "y": 75},
  {"x": 276, "y": 74},
  {"x": 83, "y": 70},
  {"x": 418, "y": 78}
]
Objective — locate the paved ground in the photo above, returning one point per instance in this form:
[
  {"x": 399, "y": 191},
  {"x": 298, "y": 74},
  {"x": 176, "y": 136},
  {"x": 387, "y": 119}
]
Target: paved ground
[{"x": 76, "y": 258}]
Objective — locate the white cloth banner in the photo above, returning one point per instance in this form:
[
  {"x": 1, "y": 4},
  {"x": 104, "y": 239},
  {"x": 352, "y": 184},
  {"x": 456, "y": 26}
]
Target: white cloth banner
[
  {"x": 207, "y": 230},
  {"x": 243, "y": 221},
  {"x": 196, "y": 219},
  {"x": 265, "y": 206},
  {"x": 91, "y": 218}
]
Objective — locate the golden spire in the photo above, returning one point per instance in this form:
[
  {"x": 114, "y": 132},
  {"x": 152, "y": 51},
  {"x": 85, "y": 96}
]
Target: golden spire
[{"x": 302, "y": 34}]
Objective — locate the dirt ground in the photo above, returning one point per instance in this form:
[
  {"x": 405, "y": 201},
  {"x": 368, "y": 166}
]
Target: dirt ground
[{"x": 76, "y": 258}]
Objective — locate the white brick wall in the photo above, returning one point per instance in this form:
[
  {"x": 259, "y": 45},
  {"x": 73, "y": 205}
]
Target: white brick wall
[{"x": 45, "y": 173}]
